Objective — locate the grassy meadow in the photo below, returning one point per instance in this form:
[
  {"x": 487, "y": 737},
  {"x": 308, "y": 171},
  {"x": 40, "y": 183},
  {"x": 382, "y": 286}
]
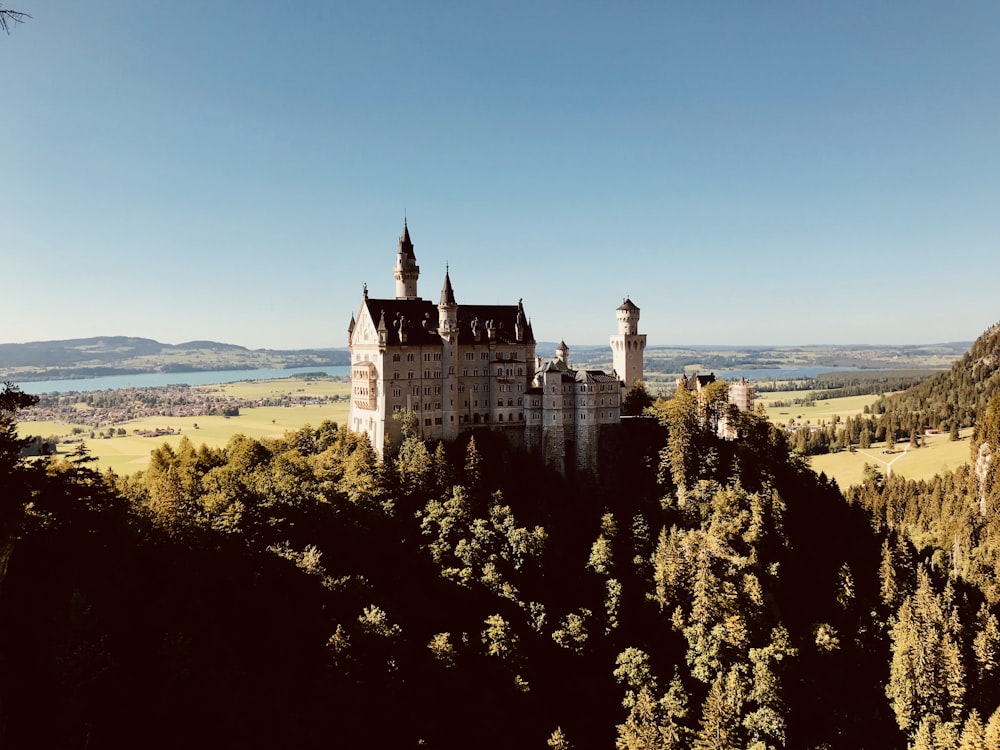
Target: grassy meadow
[
  {"x": 130, "y": 453},
  {"x": 822, "y": 410},
  {"x": 936, "y": 455}
]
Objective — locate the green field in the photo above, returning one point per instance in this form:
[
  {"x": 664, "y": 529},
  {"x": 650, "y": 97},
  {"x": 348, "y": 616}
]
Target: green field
[
  {"x": 937, "y": 455},
  {"x": 822, "y": 410},
  {"x": 130, "y": 453}
]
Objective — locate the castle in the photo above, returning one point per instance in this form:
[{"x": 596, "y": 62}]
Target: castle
[{"x": 460, "y": 367}]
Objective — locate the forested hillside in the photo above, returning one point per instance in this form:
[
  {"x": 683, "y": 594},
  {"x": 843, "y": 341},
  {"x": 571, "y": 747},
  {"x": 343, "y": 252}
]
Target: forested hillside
[{"x": 299, "y": 592}]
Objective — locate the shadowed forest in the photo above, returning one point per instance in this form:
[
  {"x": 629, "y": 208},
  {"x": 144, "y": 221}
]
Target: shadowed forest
[{"x": 702, "y": 594}]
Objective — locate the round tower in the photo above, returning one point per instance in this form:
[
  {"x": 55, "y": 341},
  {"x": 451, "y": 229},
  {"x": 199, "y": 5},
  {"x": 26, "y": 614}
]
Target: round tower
[
  {"x": 628, "y": 345},
  {"x": 628, "y": 317},
  {"x": 406, "y": 271}
]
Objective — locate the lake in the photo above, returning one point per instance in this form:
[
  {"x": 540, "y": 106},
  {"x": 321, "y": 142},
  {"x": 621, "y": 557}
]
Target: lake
[
  {"x": 155, "y": 379},
  {"x": 214, "y": 377}
]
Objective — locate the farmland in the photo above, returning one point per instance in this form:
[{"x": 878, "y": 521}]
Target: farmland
[{"x": 304, "y": 402}]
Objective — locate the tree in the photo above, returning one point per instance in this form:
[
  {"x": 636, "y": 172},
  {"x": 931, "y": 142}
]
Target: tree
[
  {"x": 12, "y": 400},
  {"x": 558, "y": 741},
  {"x": 636, "y": 401},
  {"x": 9, "y": 18}
]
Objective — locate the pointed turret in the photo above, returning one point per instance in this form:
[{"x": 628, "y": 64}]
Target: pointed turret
[
  {"x": 447, "y": 309},
  {"x": 382, "y": 329},
  {"x": 447, "y": 293},
  {"x": 406, "y": 271},
  {"x": 562, "y": 354}
]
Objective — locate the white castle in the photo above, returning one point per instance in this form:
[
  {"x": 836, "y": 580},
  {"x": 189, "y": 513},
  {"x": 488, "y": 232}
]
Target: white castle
[{"x": 462, "y": 367}]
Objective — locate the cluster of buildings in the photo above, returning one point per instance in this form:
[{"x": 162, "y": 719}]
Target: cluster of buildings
[{"x": 457, "y": 367}]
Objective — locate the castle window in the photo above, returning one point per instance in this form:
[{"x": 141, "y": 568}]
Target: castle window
[
  {"x": 484, "y": 355},
  {"x": 465, "y": 373},
  {"x": 395, "y": 375},
  {"x": 520, "y": 416},
  {"x": 500, "y": 418},
  {"x": 437, "y": 420},
  {"x": 409, "y": 357},
  {"x": 437, "y": 356},
  {"x": 409, "y": 375},
  {"x": 499, "y": 402},
  {"x": 427, "y": 356},
  {"x": 427, "y": 422},
  {"x": 520, "y": 371},
  {"x": 396, "y": 392},
  {"x": 497, "y": 357},
  {"x": 395, "y": 357},
  {"x": 499, "y": 372},
  {"x": 470, "y": 355}
]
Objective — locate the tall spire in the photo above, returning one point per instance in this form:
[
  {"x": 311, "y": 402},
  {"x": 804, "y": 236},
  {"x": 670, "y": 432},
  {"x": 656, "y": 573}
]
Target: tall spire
[
  {"x": 447, "y": 293},
  {"x": 405, "y": 245},
  {"x": 406, "y": 271},
  {"x": 448, "y": 310}
]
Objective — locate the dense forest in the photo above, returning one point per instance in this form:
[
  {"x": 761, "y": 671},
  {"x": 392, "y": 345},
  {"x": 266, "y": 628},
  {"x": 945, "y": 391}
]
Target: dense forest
[{"x": 701, "y": 594}]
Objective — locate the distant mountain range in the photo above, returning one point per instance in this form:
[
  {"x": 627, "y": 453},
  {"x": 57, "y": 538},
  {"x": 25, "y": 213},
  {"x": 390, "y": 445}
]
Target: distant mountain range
[
  {"x": 127, "y": 355},
  {"x": 122, "y": 355}
]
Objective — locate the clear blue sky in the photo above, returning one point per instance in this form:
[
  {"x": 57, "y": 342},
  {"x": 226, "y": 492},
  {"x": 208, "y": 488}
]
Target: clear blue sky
[{"x": 747, "y": 172}]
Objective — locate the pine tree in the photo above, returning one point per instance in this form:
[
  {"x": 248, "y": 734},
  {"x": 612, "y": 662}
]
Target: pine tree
[
  {"x": 973, "y": 736},
  {"x": 720, "y": 717}
]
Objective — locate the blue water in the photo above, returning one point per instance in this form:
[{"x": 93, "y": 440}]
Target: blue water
[{"x": 154, "y": 379}]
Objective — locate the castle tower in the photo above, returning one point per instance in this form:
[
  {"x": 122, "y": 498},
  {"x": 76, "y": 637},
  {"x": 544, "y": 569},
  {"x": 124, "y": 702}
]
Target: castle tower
[
  {"x": 628, "y": 345},
  {"x": 447, "y": 310},
  {"x": 406, "y": 270},
  {"x": 448, "y": 330},
  {"x": 562, "y": 354}
]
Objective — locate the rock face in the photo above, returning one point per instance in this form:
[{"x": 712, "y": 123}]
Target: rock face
[{"x": 984, "y": 460}]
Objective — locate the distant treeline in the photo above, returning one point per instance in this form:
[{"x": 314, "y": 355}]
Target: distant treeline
[{"x": 838, "y": 385}]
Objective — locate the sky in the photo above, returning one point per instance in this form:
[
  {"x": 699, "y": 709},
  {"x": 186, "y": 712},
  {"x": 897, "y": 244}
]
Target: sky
[{"x": 762, "y": 173}]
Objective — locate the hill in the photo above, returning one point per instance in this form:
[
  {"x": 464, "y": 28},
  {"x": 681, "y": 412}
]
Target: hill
[
  {"x": 125, "y": 355},
  {"x": 953, "y": 397}
]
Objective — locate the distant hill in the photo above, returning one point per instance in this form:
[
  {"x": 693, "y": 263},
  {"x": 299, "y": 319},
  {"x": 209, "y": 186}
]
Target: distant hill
[
  {"x": 956, "y": 395},
  {"x": 120, "y": 355}
]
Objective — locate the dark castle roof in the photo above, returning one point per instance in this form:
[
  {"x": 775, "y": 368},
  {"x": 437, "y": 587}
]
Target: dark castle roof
[{"x": 419, "y": 320}]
